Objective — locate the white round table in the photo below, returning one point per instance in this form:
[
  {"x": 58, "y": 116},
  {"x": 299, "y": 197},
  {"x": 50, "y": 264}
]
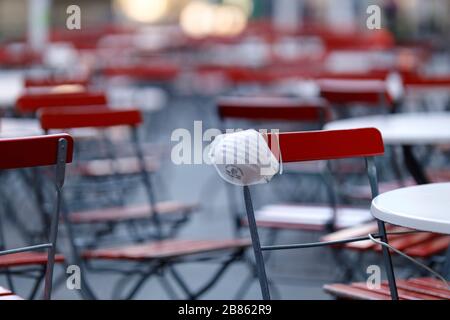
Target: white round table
[
  {"x": 11, "y": 84},
  {"x": 425, "y": 207},
  {"x": 404, "y": 128}
]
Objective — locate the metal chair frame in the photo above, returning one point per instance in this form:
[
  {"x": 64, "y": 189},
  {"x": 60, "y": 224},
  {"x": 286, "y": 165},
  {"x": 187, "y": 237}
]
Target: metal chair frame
[
  {"x": 144, "y": 269},
  {"x": 338, "y": 138},
  {"x": 17, "y": 150}
]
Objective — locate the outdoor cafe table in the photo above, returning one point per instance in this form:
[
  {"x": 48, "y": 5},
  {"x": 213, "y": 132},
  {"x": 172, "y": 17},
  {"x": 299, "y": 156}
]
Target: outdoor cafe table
[
  {"x": 406, "y": 130},
  {"x": 424, "y": 207}
]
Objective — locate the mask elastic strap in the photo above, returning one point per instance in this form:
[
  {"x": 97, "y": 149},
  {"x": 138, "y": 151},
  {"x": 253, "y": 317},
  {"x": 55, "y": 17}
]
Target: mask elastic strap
[
  {"x": 410, "y": 259},
  {"x": 279, "y": 152}
]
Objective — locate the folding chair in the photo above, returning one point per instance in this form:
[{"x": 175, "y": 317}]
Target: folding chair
[
  {"x": 411, "y": 289},
  {"x": 416, "y": 81},
  {"x": 419, "y": 87},
  {"x": 423, "y": 231},
  {"x": 346, "y": 92},
  {"x": 51, "y": 150},
  {"x": 148, "y": 258},
  {"x": 18, "y": 55},
  {"x": 54, "y": 81},
  {"x": 104, "y": 118},
  {"x": 375, "y": 97},
  {"x": 428, "y": 247},
  {"x": 30, "y": 102},
  {"x": 294, "y": 216},
  {"x": 160, "y": 72},
  {"x": 297, "y": 216},
  {"x": 322, "y": 145}
]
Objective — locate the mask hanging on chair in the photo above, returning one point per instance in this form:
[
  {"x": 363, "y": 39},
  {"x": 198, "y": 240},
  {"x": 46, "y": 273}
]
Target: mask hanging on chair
[{"x": 244, "y": 158}]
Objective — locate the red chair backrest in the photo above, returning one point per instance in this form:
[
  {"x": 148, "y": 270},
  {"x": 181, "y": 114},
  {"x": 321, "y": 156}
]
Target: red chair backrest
[
  {"x": 149, "y": 72},
  {"x": 53, "y": 82},
  {"x": 18, "y": 55},
  {"x": 31, "y": 102},
  {"x": 345, "y": 92},
  {"x": 99, "y": 117},
  {"x": 414, "y": 79},
  {"x": 373, "y": 74},
  {"x": 328, "y": 144},
  {"x": 273, "y": 108},
  {"x": 32, "y": 151}
]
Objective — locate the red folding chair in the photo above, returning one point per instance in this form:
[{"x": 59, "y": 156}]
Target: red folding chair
[
  {"x": 414, "y": 81},
  {"x": 419, "y": 87},
  {"x": 348, "y": 92},
  {"x": 273, "y": 108},
  {"x": 54, "y": 81},
  {"x": 155, "y": 72},
  {"x": 162, "y": 253},
  {"x": 104, "y": 118},
  {"x": 426, "y": 246},
  {"x": 18, "y": 55},
  {"x": 294, "y": 216},
  {"x": 31, "y": 102},
  {"x": 52, "y": 150},
  {"x": 411, "y": 289},
  {"x": 322, "y": 145}
]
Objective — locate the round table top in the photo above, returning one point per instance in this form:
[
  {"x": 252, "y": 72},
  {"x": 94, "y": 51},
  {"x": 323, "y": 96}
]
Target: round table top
[
  {"x": 403, "y": 128},
  {"x": 11, "y": 84},
  {"x": 423, "y": 207}
]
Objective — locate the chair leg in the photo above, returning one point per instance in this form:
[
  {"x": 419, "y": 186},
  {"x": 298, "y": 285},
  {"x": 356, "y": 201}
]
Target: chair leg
[
  {"x": 9, "y": 280},
  {"x": 247, "y": 283},
  {"x": 52, "y": 250},
  {"x": 165, "y": 284},
  {"x": 36, "y": 286},
  {"x": 388, "y": 261},
  {"x": 141, "y": 281},
  {"x": 446, "y": 267},
  {"x": 256, "y": 245},
  {"x": 180, "y": 282},
  {"x": 218, "y": 274}
]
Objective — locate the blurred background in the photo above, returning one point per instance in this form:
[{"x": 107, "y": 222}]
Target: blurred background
[
  {"x": 407, "y": 19},
  {"x": 173, "y": 60}
]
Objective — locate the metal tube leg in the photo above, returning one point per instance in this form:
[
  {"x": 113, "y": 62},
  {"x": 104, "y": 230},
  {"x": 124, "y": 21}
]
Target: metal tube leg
[
  {"x": 260, "y": 269},
  {"x": 217, "y": 275},
  {"x": 141, "y": 281},
  {"x": 59, "y": 182},
  {"x": 414, "y": 166},
  {"x": 52, "y": 250},
  {"x": 36, "y": 287},
  {"x": 446, "y": 270},
  {"x": 167, "y": 287},
  {"x": 388, "y": 262},
  {"x": 372, "y": 174}
]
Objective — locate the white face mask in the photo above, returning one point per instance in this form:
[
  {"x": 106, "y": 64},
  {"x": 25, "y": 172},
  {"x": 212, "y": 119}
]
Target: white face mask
[{"x": 244, "y": 158}]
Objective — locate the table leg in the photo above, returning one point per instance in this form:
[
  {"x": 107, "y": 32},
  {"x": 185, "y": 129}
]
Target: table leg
[
  {"x": 413, "y": 165},
  {"x": 447, "y": 264}
]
